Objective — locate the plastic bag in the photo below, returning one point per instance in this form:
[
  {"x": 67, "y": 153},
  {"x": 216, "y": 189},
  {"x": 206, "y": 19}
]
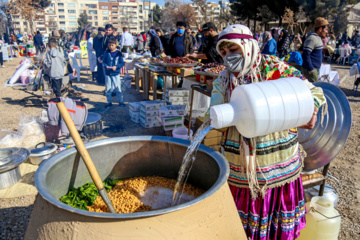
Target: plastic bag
[
  {"x": 10, "y": 139},
  {"x": 30, "y": 132}
]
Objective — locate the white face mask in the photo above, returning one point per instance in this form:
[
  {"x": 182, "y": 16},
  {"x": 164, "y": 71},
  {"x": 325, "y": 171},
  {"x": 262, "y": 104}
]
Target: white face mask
[{"x": 234, "y": 62}]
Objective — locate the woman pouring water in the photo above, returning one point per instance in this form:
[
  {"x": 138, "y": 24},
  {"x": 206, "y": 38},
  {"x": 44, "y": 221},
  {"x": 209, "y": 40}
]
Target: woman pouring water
[{"x": 269, "y": 197}]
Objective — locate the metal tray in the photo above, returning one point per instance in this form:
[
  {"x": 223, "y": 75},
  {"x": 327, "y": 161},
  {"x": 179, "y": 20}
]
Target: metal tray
[
  {"x": 324, "y": 141},
  {"x": 202, "y": 73},
  {"x": 212, "y": 74},
  {"x": 180, "y": 65},
  {"x": 156, "y": 64}
]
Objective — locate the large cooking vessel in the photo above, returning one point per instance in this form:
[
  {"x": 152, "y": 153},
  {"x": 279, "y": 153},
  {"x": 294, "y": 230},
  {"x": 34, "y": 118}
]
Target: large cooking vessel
[{"x": 213, "y": 215}]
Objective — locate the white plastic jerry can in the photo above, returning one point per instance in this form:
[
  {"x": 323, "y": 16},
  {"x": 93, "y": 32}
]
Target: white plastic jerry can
[
  {"x": 322, "y": 220},
  {"x": 258, "y": 109}
]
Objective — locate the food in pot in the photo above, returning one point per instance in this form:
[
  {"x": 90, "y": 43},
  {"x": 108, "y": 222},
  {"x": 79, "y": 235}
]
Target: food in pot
[{"x": 138, "y": 194}]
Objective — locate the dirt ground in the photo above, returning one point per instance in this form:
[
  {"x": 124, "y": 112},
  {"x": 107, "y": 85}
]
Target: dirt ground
[{"x": 15, "y": 101}]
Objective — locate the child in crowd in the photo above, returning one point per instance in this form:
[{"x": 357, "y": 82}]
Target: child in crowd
[
  {"x": 113, "y": 62},
  {"x": 54, "y": 64}
]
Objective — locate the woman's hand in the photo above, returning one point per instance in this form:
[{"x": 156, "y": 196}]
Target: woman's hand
[{"x": 312, "y": 122}]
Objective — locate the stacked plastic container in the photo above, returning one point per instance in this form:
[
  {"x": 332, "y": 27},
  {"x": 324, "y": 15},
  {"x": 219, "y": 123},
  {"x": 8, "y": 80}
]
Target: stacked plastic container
[
  {"x": 134, "y": 111},
  {"x": 149, "y": 113},
  {"x": 172, "y": 116}
]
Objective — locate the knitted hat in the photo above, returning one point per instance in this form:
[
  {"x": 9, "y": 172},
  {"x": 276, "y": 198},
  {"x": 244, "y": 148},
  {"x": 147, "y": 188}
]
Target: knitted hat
[
  {"x": 320, "y": 22},
  {"x": 242, "y": 36}
]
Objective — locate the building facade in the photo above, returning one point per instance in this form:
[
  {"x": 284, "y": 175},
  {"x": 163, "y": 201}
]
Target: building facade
[{"x": 64, "y": 14}]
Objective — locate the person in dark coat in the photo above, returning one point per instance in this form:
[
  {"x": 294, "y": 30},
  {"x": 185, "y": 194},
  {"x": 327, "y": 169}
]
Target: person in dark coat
[
  {"x": 98, "y": 47},
  {"x": 165, "y": 40},
  {"x": 192, "y": 37},
  {"x": 181, "y": 43},
  {"x": 38, "y": 42},
  {"x": 284, "y": 43},
  {"x": 155, "y": 44},
  {"x": 208, "y": 52}
]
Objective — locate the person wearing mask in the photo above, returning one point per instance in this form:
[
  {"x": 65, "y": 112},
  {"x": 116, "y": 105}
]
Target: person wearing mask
[
  {"x": 265, "y": 171},
  {"x": 284, "y": 43},
  {"x": 38, "y": 42},
  {"x": 97, "y": 46},
  {"x": 269, "y": 45},
  {"x": 155, "y": 44},
  {"x": 209, "y": 53},
  {"x": 181, "y": 43},
  {"x": 313, "y": 50},
  {"x": 127, "y": 42},
  {"x": 344, "y": 38},
  {"x": 275, "y": 35},
  {"x": 91, "y": 54}
]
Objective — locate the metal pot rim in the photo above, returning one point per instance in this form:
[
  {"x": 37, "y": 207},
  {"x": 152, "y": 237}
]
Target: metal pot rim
[{"x": 40, "y": 177}]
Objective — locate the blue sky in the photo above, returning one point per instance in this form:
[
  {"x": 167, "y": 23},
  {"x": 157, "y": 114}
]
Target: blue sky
[{"x": 162, "y": 2}]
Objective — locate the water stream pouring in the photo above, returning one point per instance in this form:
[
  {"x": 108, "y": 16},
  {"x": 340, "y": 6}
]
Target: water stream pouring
[
  {"x": 261, "y": 108},
  {"x": 188, "y": 161}
]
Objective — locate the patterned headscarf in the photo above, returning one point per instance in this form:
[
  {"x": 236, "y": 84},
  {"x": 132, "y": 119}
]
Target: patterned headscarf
[{"x": 242, "y": 36}]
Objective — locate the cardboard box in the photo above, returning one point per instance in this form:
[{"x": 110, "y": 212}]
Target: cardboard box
[
  {"x": 182, "y": 72},
  {"x": 172, "y": 127},
  {"x": 134, "y": 114},
  {"x": 135, "y": 119},
  {"x": 150, "y": 119},
  {"x": 177, "y": 99},
  {"x": 212, "y": 141},
  {"x": 150, "y": 124},
  {"x": 151, "y": 105},
  {"x": 166, "y": 121},
  {"x": 172, "y": 110},
  {"x": 203, "y": 78},
  {"x": 179, "y": 92},
  {"x": 134, "y": 106},
  {"x": 209, "y": 84},
  {"x": 148, "y": 113}
]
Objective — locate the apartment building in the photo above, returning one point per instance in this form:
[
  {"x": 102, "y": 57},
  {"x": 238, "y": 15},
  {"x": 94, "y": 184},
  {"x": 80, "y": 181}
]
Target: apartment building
[{"x": 64, "y": 14}]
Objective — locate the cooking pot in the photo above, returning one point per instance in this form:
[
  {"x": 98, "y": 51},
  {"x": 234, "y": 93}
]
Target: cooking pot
[
  {"x": 213, "y": 215},
  {"x": 41, "y": 152},
  {"x": 10, "y": 160}
]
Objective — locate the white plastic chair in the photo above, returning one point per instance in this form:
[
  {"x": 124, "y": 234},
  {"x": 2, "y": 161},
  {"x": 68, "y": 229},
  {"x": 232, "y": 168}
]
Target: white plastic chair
[
  {"x": 74, "y": 57},
  {"x": 343, "y": 55}
]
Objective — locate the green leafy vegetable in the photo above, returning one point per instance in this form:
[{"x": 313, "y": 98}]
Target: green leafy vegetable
[{"x": 85, "y": 195}]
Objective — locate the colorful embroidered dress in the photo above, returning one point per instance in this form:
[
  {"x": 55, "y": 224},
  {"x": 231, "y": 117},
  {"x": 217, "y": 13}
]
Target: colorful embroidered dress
[{"x": 268, "y": 193}]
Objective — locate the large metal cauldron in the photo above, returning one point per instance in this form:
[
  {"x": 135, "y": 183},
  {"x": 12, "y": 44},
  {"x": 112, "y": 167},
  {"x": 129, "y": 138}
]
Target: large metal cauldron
[{"x": 213, "y": 215}]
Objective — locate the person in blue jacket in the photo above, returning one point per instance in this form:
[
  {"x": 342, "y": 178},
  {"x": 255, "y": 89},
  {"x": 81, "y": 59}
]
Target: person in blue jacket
[
  {"x": 113, "y": 62},
  {"x": 269, "y": 45}
]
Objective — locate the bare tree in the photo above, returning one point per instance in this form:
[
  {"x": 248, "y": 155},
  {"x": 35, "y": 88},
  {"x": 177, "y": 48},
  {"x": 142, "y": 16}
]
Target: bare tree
[
  {"x": 301, "y": 19},
  {"x": 226, "y": 16},
  {"x": 177, "y": 11},
  {"x": 202, "y": 8},
  {"x": 289, "y": 18},
  {"x": 29, "y": 10}
]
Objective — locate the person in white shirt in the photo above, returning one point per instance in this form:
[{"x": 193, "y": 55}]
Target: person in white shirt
[{"x": 127, "y": 41}]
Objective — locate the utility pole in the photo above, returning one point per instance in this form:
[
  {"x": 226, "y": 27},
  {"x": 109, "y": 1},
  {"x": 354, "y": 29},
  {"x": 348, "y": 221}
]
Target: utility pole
[{"x": 152, "y": 17}]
